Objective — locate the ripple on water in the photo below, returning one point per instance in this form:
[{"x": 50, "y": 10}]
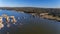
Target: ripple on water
[{"x": 27, "y": 24}]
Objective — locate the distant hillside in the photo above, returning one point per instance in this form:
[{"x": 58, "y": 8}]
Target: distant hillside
[
  {"x": 53, "y": 11},
  {"x": 25, "y": 9}
]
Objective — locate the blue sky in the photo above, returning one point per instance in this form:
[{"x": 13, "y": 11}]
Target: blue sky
[{"x": 30, "y": 3}]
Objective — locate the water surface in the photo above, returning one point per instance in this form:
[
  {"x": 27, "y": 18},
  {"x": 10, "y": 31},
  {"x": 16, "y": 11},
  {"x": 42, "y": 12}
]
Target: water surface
[{"x": 27, "y": 24}]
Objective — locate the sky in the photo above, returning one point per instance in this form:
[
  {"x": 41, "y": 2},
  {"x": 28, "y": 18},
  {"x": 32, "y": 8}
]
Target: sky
[{"x": 30, "y": 3}]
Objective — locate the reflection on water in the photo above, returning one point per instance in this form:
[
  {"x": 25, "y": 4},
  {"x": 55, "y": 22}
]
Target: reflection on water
[
  {"x": 27, "y": 24},
  {"x": 1, "y": 26}
]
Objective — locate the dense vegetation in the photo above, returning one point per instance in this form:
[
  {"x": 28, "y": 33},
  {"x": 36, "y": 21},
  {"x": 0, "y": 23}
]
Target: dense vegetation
[{"x": 52, "y": 11}]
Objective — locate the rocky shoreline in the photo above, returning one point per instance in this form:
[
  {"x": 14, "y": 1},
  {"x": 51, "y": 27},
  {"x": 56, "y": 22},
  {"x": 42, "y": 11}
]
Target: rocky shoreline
[{"x": 46, "y": 16}]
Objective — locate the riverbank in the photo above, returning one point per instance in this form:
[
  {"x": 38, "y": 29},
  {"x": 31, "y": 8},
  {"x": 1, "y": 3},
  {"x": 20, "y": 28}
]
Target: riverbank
[{"x": 50, "y": 17}]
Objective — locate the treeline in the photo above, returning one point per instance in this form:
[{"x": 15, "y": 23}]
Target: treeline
[
  {"x": 26, "y": 9},
  {"x": 52, "y": 11}
]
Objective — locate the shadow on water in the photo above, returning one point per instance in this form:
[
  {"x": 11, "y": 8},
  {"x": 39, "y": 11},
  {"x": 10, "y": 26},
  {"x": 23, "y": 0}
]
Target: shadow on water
[{"x": 27, "y": 24}]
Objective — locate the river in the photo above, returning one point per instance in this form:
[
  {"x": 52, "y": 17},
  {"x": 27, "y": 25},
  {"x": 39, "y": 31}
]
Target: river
[{"x": 28, "y": 24}]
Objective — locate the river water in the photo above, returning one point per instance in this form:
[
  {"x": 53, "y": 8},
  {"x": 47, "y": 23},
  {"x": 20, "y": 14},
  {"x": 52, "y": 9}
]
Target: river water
[{"x": 28, "y": 24}]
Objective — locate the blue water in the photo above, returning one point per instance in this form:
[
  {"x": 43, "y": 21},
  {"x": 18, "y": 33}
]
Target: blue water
[{"x": 27, "y": 24}]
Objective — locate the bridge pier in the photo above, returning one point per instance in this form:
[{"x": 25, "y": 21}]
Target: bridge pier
[{"x": 13, "y": 19}]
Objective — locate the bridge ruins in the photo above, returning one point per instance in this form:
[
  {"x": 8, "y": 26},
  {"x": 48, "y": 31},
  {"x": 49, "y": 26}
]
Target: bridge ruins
[{"x": 13, "y": 20}]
